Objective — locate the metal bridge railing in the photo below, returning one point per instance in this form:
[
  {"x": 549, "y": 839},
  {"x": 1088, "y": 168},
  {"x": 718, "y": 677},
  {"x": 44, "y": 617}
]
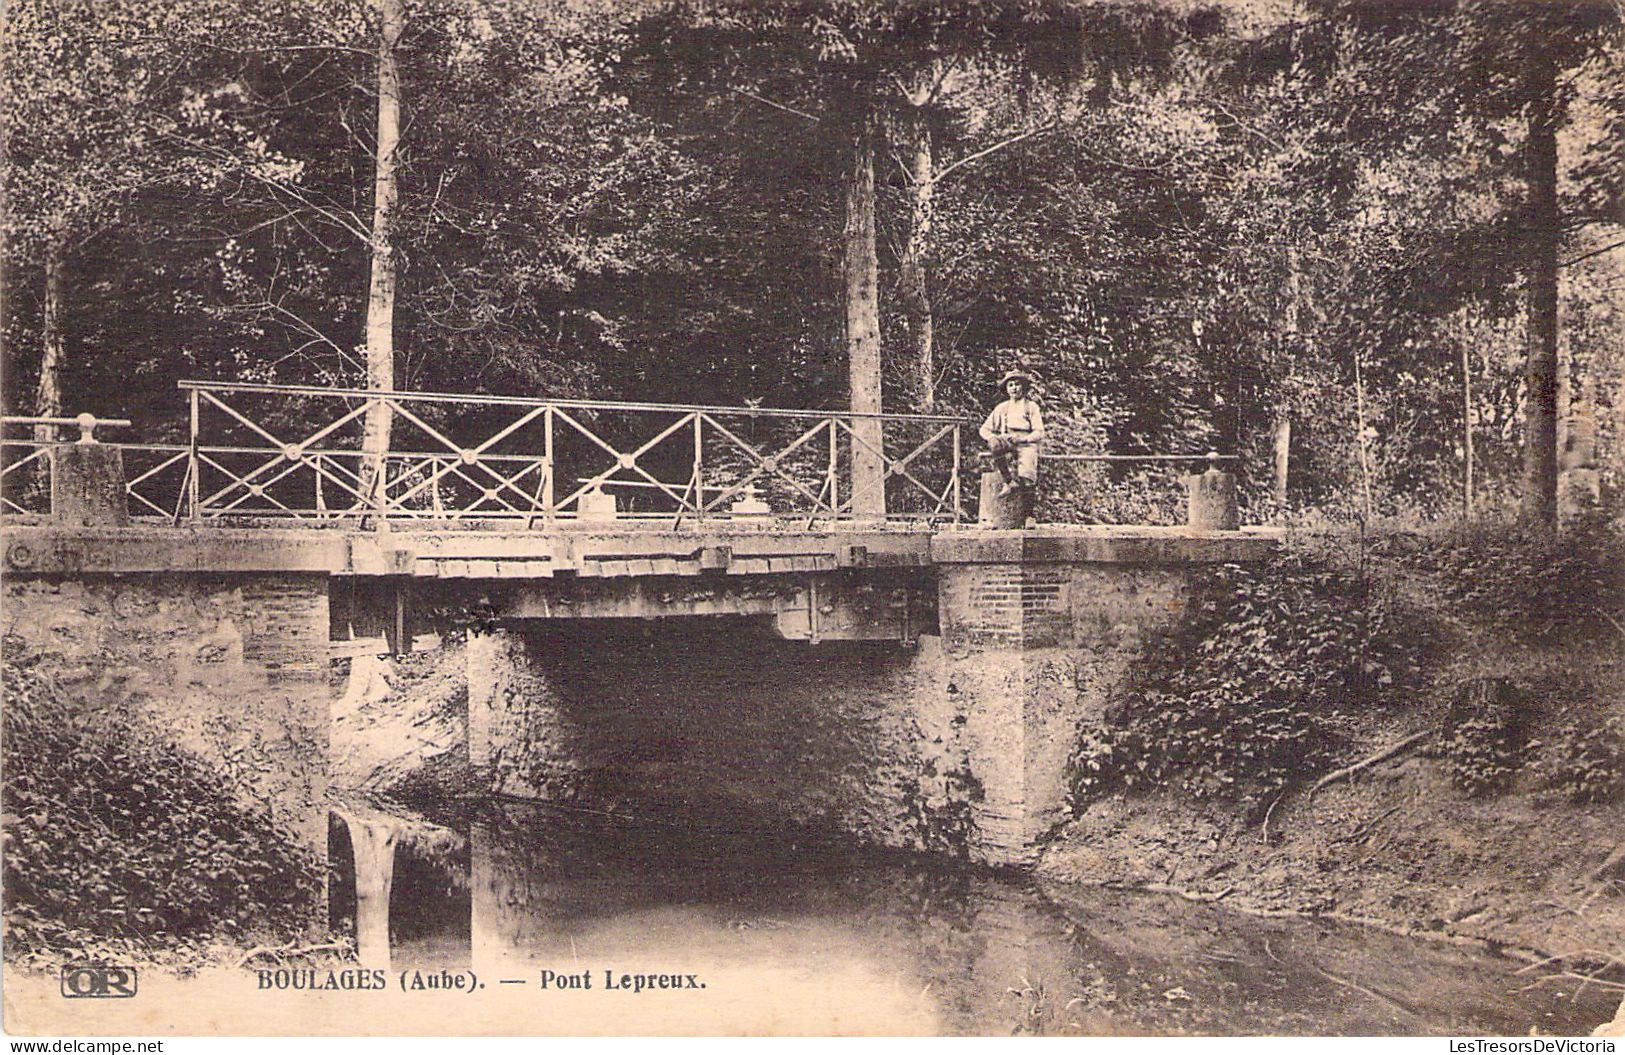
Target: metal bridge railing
[{"x": 297, "y": 452}]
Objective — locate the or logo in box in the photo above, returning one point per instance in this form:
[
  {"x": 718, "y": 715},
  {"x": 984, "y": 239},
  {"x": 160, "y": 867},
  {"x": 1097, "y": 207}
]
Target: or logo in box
[{"x": 97, "y": 980}]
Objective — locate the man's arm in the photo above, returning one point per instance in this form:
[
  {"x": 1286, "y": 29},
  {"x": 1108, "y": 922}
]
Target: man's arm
[{"x": 993, "y": 425}]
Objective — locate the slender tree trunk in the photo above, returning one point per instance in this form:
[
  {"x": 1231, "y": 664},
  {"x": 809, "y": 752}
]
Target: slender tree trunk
[
  {"x": 916, "y": 293},
  {"x": 53, "y": 352},
  {"x": 1540, "y": 360},
  {"x": 5, "y": 287},
  {"x": 1361, "y": 446},
  {"x": 48, "y": 396},
  {"x": 860, "y": 272},
  {"x": 381, "y": 291},
  {"x": 1281, "y": 427},
  {"x": 1619, "y": 422},
  {"x": 1466, "y": 434},
  {"x": 1281, "y": 431}
]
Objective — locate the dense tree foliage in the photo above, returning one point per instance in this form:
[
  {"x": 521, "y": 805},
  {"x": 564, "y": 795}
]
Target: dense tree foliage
[{"x": 1363, "y": 245}]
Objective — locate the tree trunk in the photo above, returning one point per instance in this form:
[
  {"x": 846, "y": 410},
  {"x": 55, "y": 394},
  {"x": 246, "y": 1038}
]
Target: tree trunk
[
  {"x": 916, "y": 294},
  {"x": 1619, "y": 423},
  {"x": 1282, "y": 430},
  {"x": 1361, "y": 447},
  {"x": 1540, "y": 360},
  {"x": 381, "y": 291},
  {"x": 1282, "y": 423},
  {"x": 53, "y": 352},
  {"x": 1466, "y": 435},
  {"x": 860, "y": 272}
]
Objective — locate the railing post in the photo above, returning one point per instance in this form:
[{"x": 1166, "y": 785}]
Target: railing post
[
  {"x": 959, "y": 505},
  {"x": 377, "y": 475},
  {"x": 834, "y": 471},
  {"x": 193, "y": 466},
  {"x": 1212, "y": 498},
  {"x": 698, "y": 474},
  {"x": 548, "y": 511}
]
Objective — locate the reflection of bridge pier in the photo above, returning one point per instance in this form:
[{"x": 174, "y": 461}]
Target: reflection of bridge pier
[
  {"x": 372, "y": 848},
  {"x": 508, "y": 917}
]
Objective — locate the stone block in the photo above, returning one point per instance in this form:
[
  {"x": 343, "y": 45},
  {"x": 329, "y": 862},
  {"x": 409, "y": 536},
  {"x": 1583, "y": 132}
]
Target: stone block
[
  {"x": 1213, "y": 501},
  {"x": 998, "y": 510},
  {"x": 87, "y": 486}
]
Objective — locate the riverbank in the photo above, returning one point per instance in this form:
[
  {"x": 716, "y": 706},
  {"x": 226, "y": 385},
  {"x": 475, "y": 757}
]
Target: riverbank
[
  {"x": 123, "y": 846},
  {"x": 1401, "y": 849},
  {"x": 1499, "y": 819}
]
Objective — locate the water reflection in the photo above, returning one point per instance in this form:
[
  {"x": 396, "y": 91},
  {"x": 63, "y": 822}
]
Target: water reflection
[
  {"x": 372, "y": 856},
  {"x": 787, "y": 935}
]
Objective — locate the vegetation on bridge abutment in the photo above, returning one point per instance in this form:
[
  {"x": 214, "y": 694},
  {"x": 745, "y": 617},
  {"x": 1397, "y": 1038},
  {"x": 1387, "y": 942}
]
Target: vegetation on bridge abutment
[
  {"x": 1249, "y": 756},
  {"x": 1331, "y": 233},
  {"x": 121, "y": 846}
]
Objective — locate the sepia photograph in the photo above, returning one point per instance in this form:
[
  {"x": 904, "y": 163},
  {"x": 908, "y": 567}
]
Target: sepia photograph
[{"x": 783, "y": 518}]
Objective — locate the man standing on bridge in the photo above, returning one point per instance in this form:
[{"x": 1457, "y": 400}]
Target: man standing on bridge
[{"x": 1013, "y": 433}]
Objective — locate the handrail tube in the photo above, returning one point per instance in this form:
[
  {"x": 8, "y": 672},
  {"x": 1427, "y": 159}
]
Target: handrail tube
[
  {"x": 357, "y": 452},
  {"x": 326, "y": 452},
  {"x": 120, "y": 423},
  {"x": 525, "y": 401},
  {"x": 1141, "y": 457}
]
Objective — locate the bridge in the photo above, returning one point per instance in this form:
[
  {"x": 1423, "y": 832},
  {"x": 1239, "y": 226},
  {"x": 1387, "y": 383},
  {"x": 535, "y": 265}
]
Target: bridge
[{"x": 208, "y": 584}]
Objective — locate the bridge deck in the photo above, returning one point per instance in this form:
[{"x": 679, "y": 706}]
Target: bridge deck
[{"x": 593, "y": 550}]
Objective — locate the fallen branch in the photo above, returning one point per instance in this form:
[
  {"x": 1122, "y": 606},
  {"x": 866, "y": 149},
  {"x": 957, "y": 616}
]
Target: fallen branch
[
  {"x": 1607, "y": 959},
  {"x": 1383, "y": 755},
  {"x": 1609, "y": 864},
  {"x": 1188, "y": 895},
  {"x": 1358, "y": 988},
  {"x": 1266, "y": 832},
  {"x": 1365, "y": 831},
  {"x": 1585, "y": 980},
  {"x": 288, "y": 950}
]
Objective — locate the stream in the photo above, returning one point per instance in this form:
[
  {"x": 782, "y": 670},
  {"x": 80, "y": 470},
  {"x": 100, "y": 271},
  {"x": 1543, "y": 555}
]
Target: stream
[{"x": 801, "y": 934}]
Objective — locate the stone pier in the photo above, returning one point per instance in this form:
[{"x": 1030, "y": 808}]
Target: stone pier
[{"x": 1038, "y": 628}]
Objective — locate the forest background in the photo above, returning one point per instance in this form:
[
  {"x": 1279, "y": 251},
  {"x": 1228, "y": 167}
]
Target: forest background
[{"x": 1375, "y": 249}]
